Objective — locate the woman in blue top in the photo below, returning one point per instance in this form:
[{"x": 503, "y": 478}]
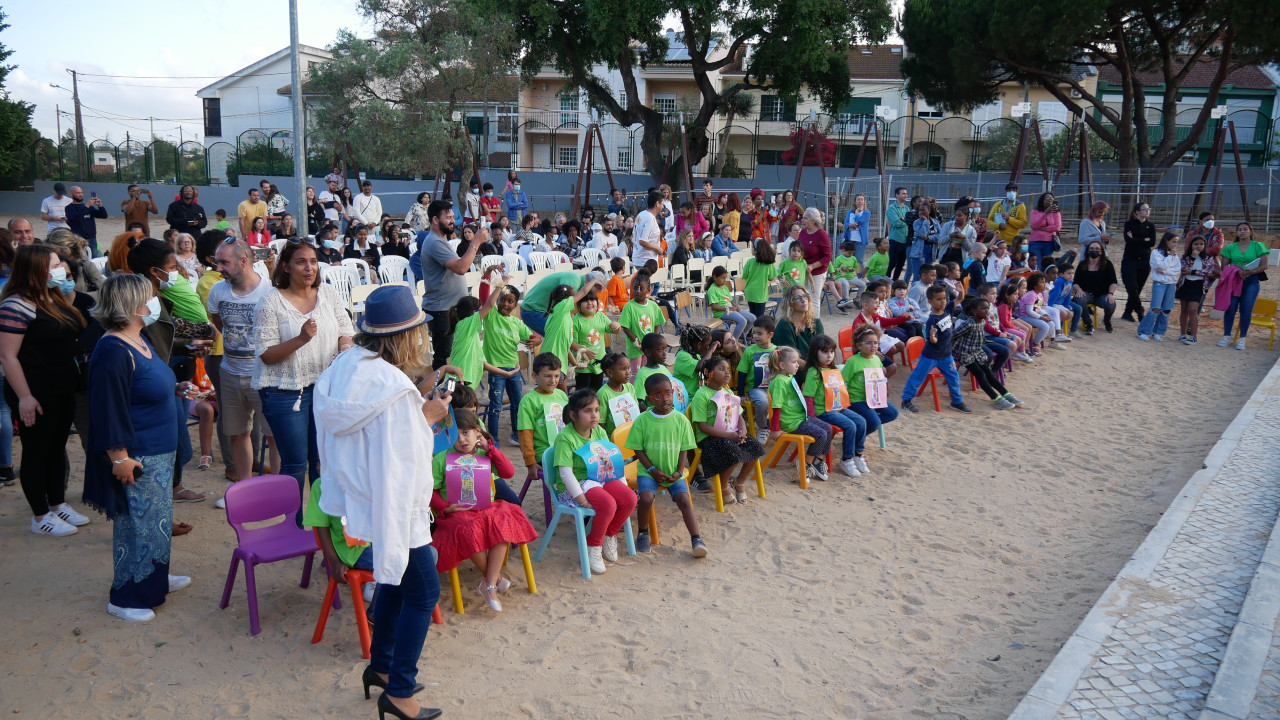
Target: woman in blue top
[
  {"x": 133, "y": 440},
  {"x": 856, "y": 225}
]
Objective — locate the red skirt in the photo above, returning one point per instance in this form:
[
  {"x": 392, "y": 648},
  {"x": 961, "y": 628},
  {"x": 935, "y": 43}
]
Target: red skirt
[{"x": 460, "y": 535}]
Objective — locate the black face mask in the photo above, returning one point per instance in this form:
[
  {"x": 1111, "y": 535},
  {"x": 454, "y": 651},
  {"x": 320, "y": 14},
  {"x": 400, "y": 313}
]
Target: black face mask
[{"x": 1095, "y": 253}]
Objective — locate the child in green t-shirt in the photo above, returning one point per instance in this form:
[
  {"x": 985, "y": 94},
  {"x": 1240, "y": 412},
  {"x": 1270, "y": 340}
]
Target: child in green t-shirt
[
  {"x": 640, "y": 316},
  {"x": 720, "y": 298},
  {"x": 221, "y": 216},
  {"x": 617, "y": 371},
  {"x": 662, "y": 439},
  {"x": 503, "y": 333},
  {"x": 341, "y": 552},
  {"x": 466, "y": 324},
  {"x": 722, "y": 449},
  {"x": 541, "y": 412},
  {"x": 757, "y": 271},
  {"x": 794, "y": 271},
  {"x": 591, "y": 329},
  {"x": 754, "y": 373},
  {"x": 843, "y": 278},
  {"x": 558, "y": 331},
  {"x": 878, "y": 263},
  {"x": 654, "y": 348},
  {"x": 695, "y": 347},
  {"x": 789, "y": 413},
  {"x": 828, "y": 395}
]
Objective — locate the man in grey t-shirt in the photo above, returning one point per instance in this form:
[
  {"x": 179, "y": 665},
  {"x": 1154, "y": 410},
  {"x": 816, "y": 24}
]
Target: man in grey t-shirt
[{"x": 442, "y": 276}]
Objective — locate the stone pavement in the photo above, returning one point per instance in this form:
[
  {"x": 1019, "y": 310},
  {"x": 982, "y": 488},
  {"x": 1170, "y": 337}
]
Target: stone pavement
[{"x": 1153, "y": 645}]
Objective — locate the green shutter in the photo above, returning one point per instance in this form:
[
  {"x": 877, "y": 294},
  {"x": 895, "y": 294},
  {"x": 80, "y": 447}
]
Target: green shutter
[{"x": 859, "y": 106}]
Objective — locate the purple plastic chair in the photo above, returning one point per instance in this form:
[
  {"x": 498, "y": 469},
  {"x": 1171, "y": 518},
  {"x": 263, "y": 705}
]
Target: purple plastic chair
[{"x": 254, "y": 500}]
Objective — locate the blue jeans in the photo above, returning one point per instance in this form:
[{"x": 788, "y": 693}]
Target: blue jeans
[
  {"x": 1157, "y": 321},
  {"x": 1077, "y": 310},
  {"x": 1243, "y": 303},
  {"x": 6, "y": 434},
  {"x": 742, "y": 322},
  {"x": 913, "y": 269},
  {"x": 402, "y": 616},
  {"x": 1043, "y": 251},
  {"x": 999, "y": 349},
  {"x": 859, "y": 248},
  {"x": 184, "y": 439},
  {"x": 853, "y": 430},
  {"x": 294, "y": 427},
  {"x": 536, "y": 321},
  {"x": 874, "y": 417},
  {"x": 946, "y": 366},
  {"x": 514, "y": 386}
]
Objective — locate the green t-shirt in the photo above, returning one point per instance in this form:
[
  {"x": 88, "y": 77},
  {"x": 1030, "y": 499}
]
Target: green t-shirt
[
  {"x": 757, "y": 276},
  {"x": 643, "y": 374},
  {"x": 186, "y": 303},
  {"x": 686, "y": 370},
  {"x": 756, "y": 356},
  {"x": 662, "y": 439},
  {"x": 605, "y": 394},
  {"x": 559, "y": 331},
  {"x": 793, "y": 272},
  {"x": 782, "y": 396},
  {"x": 567, "y": 444},
  {"x": 592, "y": 333},
  {"x": 437, "y": 473},
  {"x": 538, "y": 295},
  {"x": 813, "y": 388},
  {"x": 854, "y": 379},
  {"x": 534, "y": 407},
  {"x": 877, "y": 265},
  {"x": 717, "y": 295},
  {"x": 640, "y": 320},
  {"x": 314, "y": 517},
  {"x": 1231, "y": 253},
  {"x": 844, "y": 266},
  {"x": 702, "y": 409},
  {"x": 502, "y": 335},
  {"x": 222, "y": 225},
  {"x": 468, "y": 349}
]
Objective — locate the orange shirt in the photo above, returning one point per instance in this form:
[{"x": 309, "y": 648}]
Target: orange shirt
[{"x": 616, "y": 293}]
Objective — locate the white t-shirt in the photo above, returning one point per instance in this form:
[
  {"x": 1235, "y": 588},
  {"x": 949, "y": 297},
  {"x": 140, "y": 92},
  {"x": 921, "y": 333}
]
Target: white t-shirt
[
  {"x": 56, "y": 208},
  {"x": 239, "y": 336},
  {"x": 648, "y": 230},
  {"x": 997, "y": 267},
  {"x": 604, "y": 241},
  {"x": 331, "y": 213},
  {"x": 367, "y": 209}
]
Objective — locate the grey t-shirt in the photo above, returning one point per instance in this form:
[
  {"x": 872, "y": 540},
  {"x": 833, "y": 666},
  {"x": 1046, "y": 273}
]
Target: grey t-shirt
[
  {"x": 442, "y": 287},
  {"x": 239, "y": 337}
]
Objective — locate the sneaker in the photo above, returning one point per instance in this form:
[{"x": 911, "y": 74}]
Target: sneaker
[
  {"x": 177, "y": 582},
  {"x": 221, "y": 504},
  {"x": 490, "y": 595},
  {"x": 1127, "y": 317},
  {"x": 1088, "y": 331},
  {"x": 1057, "y": 345},
  {"x": 1003, "y": 404},
  {"x": 595, "y": 559},
  {"x": 1225, "y": 341},
  {"x": 824, "y": 472},
  {"x": 1024, "y": 358},
  {"x": 1109, "y": 328},
  {"x": 848, "y": 467},
  {"x": 52, "y": 525},
  {"x": 961, "y": 407},
  {"x": 642, "y": 542},
  {"x": 1191, "y": 339},
  {"x": 1182, "y": 338},
  {"x": 812, "y": 471},
  {"x": 1158, "y": 338},
  {"x": 699, "y": 548},
  {"x": 1075, "y": 334},
  {"x": 861, "y": 463},
  {"x": 1013, "y": 400},
  {"x": 515, "y": 441},
  {"x": 1061, "y": 338},
  {"x": 763, "y": 437},
  {"x": 367, "y": 592},
  {"x": 132, "y": 614},
  {"x": 1240, "y": 344},
  {"x": 1143, "y": 338},
  {"x": 702, "y": 485},
  {"x": 910, "y": 406},
  {"x": 71, "y": 517},
  {"x": 610, "y": 548},
  {"x": 7, "y": 476}
]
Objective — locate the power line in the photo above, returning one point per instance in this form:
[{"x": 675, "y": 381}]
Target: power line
[{"x": 182, "y": 77}]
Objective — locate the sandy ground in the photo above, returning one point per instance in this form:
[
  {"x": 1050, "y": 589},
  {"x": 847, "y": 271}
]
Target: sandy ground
[{"x": 940, "y": 586}]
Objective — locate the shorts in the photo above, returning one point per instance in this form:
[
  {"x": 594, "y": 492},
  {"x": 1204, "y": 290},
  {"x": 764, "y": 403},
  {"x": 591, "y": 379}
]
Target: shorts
[
  {"x": 191, "y": 406},
  {"x": 240, "y": 405},
  {"x": 644, "y": 483}
]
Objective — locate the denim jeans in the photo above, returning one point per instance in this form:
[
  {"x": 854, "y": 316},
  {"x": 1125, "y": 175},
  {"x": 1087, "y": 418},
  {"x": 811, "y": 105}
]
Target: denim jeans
[
  {"x": 1043, "y": 251},
  {"x": 6, "y": 434},
  {"x": 946, "y": 366},
  {"x": 1108, "y": 307},
  {"x": 874, "y": 417},
  {"x": 514, "y": 387},
  {"x": 999, "y": 349},
  {"x": 759, "y": 397},
  {"x": 1077, "y": 311},
  {"x": 1157, "y": 321},
  {"x": 1244, "y": 303},
  {"x": 742, "y": 322},
  {"x": 402, "y": 616},
  {"x": 184, "y": 439},
  {"x": 853, "y": 430},
  {"x": 294, "y": 427},
  {"x": 535, "y": 321}
]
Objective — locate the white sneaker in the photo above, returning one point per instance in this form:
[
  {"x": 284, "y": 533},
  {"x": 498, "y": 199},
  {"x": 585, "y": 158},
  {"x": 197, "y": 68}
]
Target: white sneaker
[
  {"x": 1057, "y": 345},
  {"x": 177, "y": 582},
  {"x": 861, "y": 463},
  {"x": 1225, "y": 341},
  {"x": 1143, "y": 338},
  {"x": 69, "y": 515},
  {"x": 1240, "y": 344},
  {"x": 367, "y": 592},
  {"x": 1158, "y": 338},
  {"x": 132, "y": 614},
  {"x": 1025, "y": 358},
  {"x": 848, "y": 467},
  {"x": 1062, "y": 338},
  {"x": 610, "y": 548},
  {"x": 221, "y": 504},
  {"x": 596, "y": 558},
  {"x": 52, "y": 525}
]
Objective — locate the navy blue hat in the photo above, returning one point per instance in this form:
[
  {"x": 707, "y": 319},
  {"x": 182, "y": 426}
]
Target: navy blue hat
[{"x": 391, "y": 310}]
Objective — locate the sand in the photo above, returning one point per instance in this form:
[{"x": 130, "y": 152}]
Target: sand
[{"x": 939, "y": 586}]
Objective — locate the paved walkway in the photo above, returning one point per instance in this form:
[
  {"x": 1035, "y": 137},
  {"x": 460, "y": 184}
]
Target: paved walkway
[{"x": 1153, "y": 644}]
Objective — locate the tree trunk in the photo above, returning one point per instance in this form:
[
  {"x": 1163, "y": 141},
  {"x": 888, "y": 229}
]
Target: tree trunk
[{"x": 724, "y": 145}]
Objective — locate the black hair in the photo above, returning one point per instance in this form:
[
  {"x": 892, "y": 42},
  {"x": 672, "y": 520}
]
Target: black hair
[
  {"x": 545, "y": 361},
  {"x": 207, "y": 244},
  {"x": 219, "y": 213},
  {"x": 617, "y": 264},
  {"x": 641, "y": 276},
  {"x": 464, "y": 398},
  {"x": 650, "y": 266},
  {"x": 712, "y": 363},
  {"x": 849, "y": 246},
  {"x": 527, "y": 220},
  {"x": 719, "y": 271},
  {"x": 655, "y": 381},
  {"x": 148, "y": 253},
  {"x": 766, "y": 323},
  {"x": 589, "y": 296},
  {"x": 577, "y": 401},
  {"x": 487, "y": 186},
  {"x": 465, "y": 308},
  {"x": 927, "y": 267},
  {"x": 1204, "y": 215},
  {"x": 970, "y": 303},
  {"x": 420, "y": 196},
  {"x": 692, "y": 337},
  {"x": 935, "y": 290},
  {"x": 560, "y": 292},
  {"x": 1170, "y": 239},
  {"x": 869, "y": 296},
  {"x": 572, "y": 224},
  {"x": 1011, "y": 186},
  {"x": 898, "y": 190},
  {"x": 816, "y": 345},
  {"x": 686, "y": 205},
  {"x": 650, "y": 342},
  {"x": 654, "y": 198},
  {"x": 611, "y": 358},
  {"x": 899, "y": 284},
  {"x": 436, "y": 208},
  {"x": 985, "y": 288},
  {"x": 764, "y": 252},
  {"x": 511, "y": 290},
  {"x": 467, "y": 420}
]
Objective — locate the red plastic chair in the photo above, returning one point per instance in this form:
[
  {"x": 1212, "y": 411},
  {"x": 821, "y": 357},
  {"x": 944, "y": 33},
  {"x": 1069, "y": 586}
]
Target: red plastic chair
[
  {"x": 845, "y": 342},
  {"x": 915, "y": 346},
  {"x": 255, "y": 500}
]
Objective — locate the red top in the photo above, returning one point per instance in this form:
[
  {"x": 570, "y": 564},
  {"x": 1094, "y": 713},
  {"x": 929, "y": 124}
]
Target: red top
[
  {"x": 817, "y": 249},
  {"x": 258, "y": 240}
]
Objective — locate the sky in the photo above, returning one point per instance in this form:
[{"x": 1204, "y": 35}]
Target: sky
[{"x": 160, "y": 47}]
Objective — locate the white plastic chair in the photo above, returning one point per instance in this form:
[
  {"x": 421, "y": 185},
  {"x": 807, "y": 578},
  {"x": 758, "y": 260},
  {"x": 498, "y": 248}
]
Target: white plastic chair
[
  {"x": 261, "y": 268},
  {"x": 515, "y": 262},
  {"x": 341, "y": 278},
  {"x": 489, "y": 261},
  {"x": 100, "y": 263},
  {"x": 539, "y": 261},
  {"x": 555, "y": 257},
  {"x": 394, "y": 269},
  {"x": 277, "y": 246},
  {"x": 593, "y": 257},
  {"x": 359, "y": 270},
  {"x": 454, "y": 243}
]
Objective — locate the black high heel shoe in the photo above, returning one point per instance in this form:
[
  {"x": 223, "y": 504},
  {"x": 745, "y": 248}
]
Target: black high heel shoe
[
  {"x": 372, "y": 679},
  {"x": 386, "y": 706}
]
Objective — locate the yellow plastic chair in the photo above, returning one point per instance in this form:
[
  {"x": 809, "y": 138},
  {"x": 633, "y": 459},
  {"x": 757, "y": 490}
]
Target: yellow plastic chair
[
  {"x": 1264, "y": 311},
  {"x": 716, "y": 483},
  {"x": 456, "y": 585},
  {"x": 784, "y": 442},
  {"x": 620, "y": 434}
]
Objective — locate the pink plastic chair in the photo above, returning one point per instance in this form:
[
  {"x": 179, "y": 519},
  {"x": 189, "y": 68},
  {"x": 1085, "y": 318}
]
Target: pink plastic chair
[{"x": 255, "y": 500}]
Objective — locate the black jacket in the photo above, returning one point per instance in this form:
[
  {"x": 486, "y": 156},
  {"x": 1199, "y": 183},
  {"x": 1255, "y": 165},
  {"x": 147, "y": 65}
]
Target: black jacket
[{"x": 186, "y": 218}]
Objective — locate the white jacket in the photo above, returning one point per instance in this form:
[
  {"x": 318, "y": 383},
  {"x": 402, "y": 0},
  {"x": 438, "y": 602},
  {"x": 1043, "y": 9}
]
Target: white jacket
[
  {"x": 1164, "y": 269},
  {"x": 375, "y": 447}
]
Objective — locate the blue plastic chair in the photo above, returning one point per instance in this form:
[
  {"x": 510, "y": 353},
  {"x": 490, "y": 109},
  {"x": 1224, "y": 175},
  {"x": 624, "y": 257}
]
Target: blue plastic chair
[{"x": 580, "y": 514}]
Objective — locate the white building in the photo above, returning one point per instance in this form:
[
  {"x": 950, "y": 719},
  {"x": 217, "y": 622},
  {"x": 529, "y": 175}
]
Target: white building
[{"x": 246, "y": 107}]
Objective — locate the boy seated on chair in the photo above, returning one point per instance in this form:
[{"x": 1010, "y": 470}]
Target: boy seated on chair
[
  {"x": 341, "y": 552},
  {"x": 662, "y": 439}
]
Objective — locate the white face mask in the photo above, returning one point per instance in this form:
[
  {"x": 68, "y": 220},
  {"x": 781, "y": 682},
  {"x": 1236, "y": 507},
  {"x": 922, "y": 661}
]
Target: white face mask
[
  {"x": 56, "y": 276},
  {"x": 1208, "y": 224},
  {"x": 174, "y": 276},
  {"x": 1013, "y": 196}
]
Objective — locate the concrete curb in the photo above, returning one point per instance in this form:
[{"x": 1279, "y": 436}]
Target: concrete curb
[{"x": 1055, "y": 685}]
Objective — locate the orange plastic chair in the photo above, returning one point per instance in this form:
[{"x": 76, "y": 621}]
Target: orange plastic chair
[
  {"x": 620, "y": 434},
  {"x": 356, "y": 580},
  {"x": 915, "y": 346},
  {"x": 785, "y": 441},
  {"x": 845, "y": 342},
  {"x": 716, "y": 482}
]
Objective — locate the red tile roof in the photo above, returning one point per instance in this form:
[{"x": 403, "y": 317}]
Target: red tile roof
[
  {"x": 1249, "y": 77},
  {"x": 866, "y": 62}
]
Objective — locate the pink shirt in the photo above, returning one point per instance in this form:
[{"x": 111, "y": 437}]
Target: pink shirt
[
  {"x": 1044, "y": 225},
  {"x": 700, "y": 225}
]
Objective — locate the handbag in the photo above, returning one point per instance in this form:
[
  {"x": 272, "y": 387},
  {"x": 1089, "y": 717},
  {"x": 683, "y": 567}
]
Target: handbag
[{"x": 1057, "y": 243}]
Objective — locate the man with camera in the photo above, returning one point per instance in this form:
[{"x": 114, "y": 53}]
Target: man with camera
[
  {"x": 136, "y": 210},
  {"x": 442, "y": 275}
]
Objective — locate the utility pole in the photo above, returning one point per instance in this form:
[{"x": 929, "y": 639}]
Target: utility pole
[
  {"x": 57, "y": 113},
  {"x": 299, "y": 142},
  {"x": 81, "y": 152},
  {"x": 151, "y": 148}
]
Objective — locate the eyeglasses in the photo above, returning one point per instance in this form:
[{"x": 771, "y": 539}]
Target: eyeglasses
[
  {"x": 662, "y": 394},
  {"x": 867, "y": 343}
]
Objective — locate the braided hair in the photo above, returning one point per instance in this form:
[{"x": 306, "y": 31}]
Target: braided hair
[{"x": 693, "y": 337}]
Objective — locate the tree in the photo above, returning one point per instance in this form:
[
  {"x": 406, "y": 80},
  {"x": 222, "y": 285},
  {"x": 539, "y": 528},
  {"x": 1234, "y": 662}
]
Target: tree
[
  {"x": 798, "y": 45},
  {"x": 740, "y": 104},
  {"x": 818, "y": 149},
  {"x": 1000, "y": 147},
  {"x": 1051, "y": 43},
  {"x": 15, "y": 119},
  {"x": 388, "y": 101}
]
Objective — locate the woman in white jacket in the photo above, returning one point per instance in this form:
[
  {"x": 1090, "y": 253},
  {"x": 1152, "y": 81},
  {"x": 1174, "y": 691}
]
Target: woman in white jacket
[
  {"x": 1166, "y": 268},
  {"x": 366, "y": 404}
]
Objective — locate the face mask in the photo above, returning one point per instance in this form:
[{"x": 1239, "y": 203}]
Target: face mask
[
  {"x": 56, "y": 276},
  {"x": 67, "y": 286},
  {"x": 332, "y": 244},
  {"x": 489, "y": 194},
  {"x": 1208, "y": 224},
  {"x": 153, "y": 311},
  {"x": 173, "y": 280},
  {"x": 516, "y": 188},
  {"x": 1095, "y": 253},
  {"x": 1012, "y": 196}
]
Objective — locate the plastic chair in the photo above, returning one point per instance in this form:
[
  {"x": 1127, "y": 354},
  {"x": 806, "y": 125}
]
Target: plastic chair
[
  {"x": 593, "y": 257},
  {"x": 341, "y": 279},
  {"x": 717, "y": 484},
  {"x": 915, "y": 346},
  {"x": 845, "y": 342},
  {"x": 1264, "y": 310},
  {"x": 579, "y": 516},
  {"x": 455, "y": 585},
  {"x": 359, "y": 271},
  {"x": 255, "y": 500},
  {"x": 789, "y": 440},
  {"x": 394, "y": 269},
  {"x": 620, "y": 434}
]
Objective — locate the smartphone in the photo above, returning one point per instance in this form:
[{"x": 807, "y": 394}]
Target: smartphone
[
  {"x": 137, "y": 472},
  {"x": 262, "y": 253},
  {"x": 445, "y": 384},
  {"x": 94, "y": 194}
]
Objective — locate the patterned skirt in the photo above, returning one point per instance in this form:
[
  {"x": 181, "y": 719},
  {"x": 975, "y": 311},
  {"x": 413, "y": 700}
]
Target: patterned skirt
[
  {"x": 460, "y": 535},
  {"x": 720, "y": 454},
  {"x": 140, "y": 539}
]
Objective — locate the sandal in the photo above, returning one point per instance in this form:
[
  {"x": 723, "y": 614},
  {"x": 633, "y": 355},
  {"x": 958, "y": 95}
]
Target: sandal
[
  {"x": 490, "y": 595},
  {"x": 181, "y": 528},
  {"x": 205, "y": 462},
  {"x": 186, "y": 496}
]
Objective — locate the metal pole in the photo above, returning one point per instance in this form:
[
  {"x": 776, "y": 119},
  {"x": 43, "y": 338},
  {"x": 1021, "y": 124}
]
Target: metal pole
[
  {"x": 299, "y": 140},
  {"x": 151, "y": 146},
  {"x": 82, "y": 165}
]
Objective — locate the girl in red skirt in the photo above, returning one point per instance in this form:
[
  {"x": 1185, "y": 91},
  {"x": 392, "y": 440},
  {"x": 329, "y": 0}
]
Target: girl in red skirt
[{"x": 470, "y": 523}]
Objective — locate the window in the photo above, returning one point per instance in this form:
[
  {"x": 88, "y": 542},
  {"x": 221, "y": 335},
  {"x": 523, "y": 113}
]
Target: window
[
  {"x": 665, "y": 103},
  {"x": 622, "y": 99},
  {"x": 775, "y": 109},
  {"x": 507, "y": 119},
  {"x": 925, "y": 110},
  {"x": 623, "y": 158},
  {"x": 768, "y": 157},
  {"x": 856, "y": 114},
  {"x": 988, "y": 112},
  {"x": 568, "y": 107},
  {"x": 212, "y": 117},
  {"x": 567, "y": 156}
]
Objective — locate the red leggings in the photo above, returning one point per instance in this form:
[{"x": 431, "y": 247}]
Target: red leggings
[{"x": 613, "y": 504}]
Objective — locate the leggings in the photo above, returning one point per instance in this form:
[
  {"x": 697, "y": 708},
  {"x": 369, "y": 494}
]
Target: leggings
[
  {"x": 613, "y": 503},
  {"x": 1056, "y": 315},
  {"x": 44, "y": 460},
  {"x": 853, "y": 430},
  {"x": 987, "y": 379},
  {"x": 1022, "y": 337},
  {"x": 819, "y": 431}
]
